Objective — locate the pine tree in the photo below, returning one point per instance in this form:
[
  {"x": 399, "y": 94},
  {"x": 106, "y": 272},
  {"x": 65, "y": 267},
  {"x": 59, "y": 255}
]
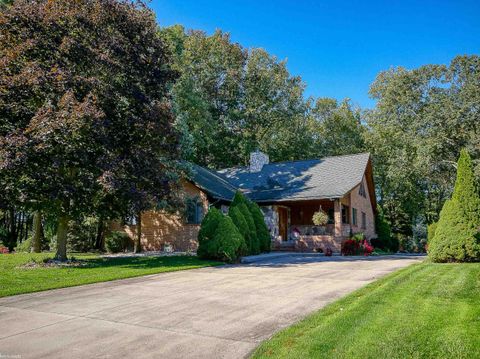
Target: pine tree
[{"x": 457, "y": 236}]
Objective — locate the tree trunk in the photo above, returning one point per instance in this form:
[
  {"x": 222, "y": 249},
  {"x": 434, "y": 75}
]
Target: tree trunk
[
  {"x": 37, "y": 232},
  {"x": 138, "y": 246},
  {"x": 100, "y": 238},
  {"x": 62, "y": 231}
]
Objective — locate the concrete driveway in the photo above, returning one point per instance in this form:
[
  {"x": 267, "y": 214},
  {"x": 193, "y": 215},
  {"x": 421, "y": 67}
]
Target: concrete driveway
[{"x": 222, "y": 312}]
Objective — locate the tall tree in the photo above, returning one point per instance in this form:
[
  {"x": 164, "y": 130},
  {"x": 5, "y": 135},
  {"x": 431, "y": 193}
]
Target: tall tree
[
  {"x": 421, "y": 120},
  {"x": 84, "y": 109}
]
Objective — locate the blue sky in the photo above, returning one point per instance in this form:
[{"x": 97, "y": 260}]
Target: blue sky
[{"x": 338, "y": 47}]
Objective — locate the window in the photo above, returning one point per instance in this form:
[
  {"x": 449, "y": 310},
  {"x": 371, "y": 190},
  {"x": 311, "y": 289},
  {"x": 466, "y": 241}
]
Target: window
[
  {"x": 361, "y": 190},
  {"x": 364, "y": 220},
  {"x": 345, "y": 214},
  {"x": 194, "y": 211},
  {"x": 331, "y": 216},
  {"x": 354, "y": 216}
]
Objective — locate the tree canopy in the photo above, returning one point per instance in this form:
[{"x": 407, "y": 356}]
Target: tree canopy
[{"x": 85, "y": 118}]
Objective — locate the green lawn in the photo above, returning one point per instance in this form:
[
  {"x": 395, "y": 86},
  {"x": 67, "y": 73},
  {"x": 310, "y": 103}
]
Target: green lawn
[
  {"x": 423, "y": 311},
  {"x": 15, "y": 280}
]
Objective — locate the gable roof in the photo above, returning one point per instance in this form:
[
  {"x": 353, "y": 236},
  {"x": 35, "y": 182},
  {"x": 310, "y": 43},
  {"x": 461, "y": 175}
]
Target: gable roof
[
  {"x": 212, "y": 183},
  {"x": 330, "y": 177}
]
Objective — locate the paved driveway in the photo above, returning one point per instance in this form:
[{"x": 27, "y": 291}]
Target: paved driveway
[{"x": 222, "y": 312}]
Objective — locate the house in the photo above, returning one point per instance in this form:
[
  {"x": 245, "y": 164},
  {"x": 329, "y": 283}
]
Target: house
[{"x": 288, "y": 192}]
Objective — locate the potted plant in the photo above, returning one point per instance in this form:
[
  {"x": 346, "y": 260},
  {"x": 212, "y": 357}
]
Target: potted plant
[{"x": 320, "y": 218}]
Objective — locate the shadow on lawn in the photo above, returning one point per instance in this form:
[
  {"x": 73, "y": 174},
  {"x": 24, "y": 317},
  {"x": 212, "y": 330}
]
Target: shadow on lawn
[{"x": 144, "y": 262}]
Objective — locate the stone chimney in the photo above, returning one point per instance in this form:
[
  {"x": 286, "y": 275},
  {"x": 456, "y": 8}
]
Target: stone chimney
[{"x": 257, "y": 160}]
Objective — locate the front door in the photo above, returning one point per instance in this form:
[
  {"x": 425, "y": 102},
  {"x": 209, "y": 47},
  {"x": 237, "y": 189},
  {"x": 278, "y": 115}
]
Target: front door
[{"x": 283, "y": 223}]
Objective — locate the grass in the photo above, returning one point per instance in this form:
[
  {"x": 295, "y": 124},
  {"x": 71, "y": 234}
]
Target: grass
[
  {"x": 423, "y": 311},
  {"x": 17, "y": 280}
]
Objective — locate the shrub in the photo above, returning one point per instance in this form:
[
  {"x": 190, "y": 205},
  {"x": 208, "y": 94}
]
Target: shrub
[
  {"x": 25, "y": 246},
  {"x": 263, "y": 233},
  {"x": 238, "y": 199},
  {"x": 241, "y": 223},
  {"x": 3, "y": 249},
  {"x": 255, "y": 243},
  {"x": 118, "y": 241},
  {"x": 384, "y": 239},
  {"x": 431, "y": 228},
  {"x": 320, "y": 218},
  {"x": 456, "y": 236},
  {"x": 226, "y": 244},
  {"x": 207, "y": 230},
  {"x": 359, "y": 237},
  {"x": 351, "y": 247}
]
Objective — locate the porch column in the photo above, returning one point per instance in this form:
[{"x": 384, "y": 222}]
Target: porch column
[{"x": 337, "y": 215}]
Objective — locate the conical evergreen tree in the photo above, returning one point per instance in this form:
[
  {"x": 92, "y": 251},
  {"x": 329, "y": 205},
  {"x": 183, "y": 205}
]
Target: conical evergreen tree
[
  {"x": 240, "y": 222},
  {"x": 207, "y": 231},
  {"x": 457, "y": 236},
  {"x": 262, "y": 229}
]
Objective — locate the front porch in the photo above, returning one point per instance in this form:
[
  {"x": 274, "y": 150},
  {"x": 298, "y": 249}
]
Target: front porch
[{"x": 292, "y": 228}]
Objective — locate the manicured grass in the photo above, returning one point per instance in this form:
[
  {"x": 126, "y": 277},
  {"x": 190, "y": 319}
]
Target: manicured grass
[
  {"x": 16, "y": 280},
  {"x": 423, "y": 311}
]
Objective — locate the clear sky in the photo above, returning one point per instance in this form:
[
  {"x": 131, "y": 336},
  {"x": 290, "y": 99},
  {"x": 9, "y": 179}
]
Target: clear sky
[{"x": 338, "y": 47}]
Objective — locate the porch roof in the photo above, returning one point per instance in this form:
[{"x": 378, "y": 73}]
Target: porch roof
[{"x": 329, "y": 177}]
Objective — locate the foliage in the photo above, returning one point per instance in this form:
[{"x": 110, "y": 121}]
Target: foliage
[
  {"x": 359, "y": 236},
  {"x": 227, "y": 243},
  {"x": 17, "y": 280},
  {"x": 320, "y": 218},
  {"x": 85, "y": 124},
  {"x": 255, "y": 241},
  {"x": 354, "y": 246},
  {"x": 240, "y": 222},
  {"x": 230, "y": 100},
  {"x": 3, "y": 249},
  {"x": 207, "y": 230},
  {"x": 238, "y": 198},
  {"x": 263, "y": 233},
  {"x": 385, "y": 240},
  {"x": 423, "y": 117},
  {"x": 118, "y": 241},
  {"x": 457, "y": 234},
  {"x": 432, "y": 227},
  {"x": 25, "y": 246},
  {"x": 403, "y": 315}
]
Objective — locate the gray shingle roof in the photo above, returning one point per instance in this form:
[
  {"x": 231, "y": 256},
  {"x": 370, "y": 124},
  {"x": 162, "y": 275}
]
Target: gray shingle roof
[
  {"x": 212, "y": 183},
  {"x": 330, "y": 177}
]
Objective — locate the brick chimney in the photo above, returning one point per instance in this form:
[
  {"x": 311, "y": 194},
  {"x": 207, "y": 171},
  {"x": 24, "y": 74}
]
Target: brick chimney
[{"x": 257, "y": 160}]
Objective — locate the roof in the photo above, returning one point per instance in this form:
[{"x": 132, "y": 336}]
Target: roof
[
  {"x": 212, "y": 183},
  {"x": 329, "y": 177}
]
